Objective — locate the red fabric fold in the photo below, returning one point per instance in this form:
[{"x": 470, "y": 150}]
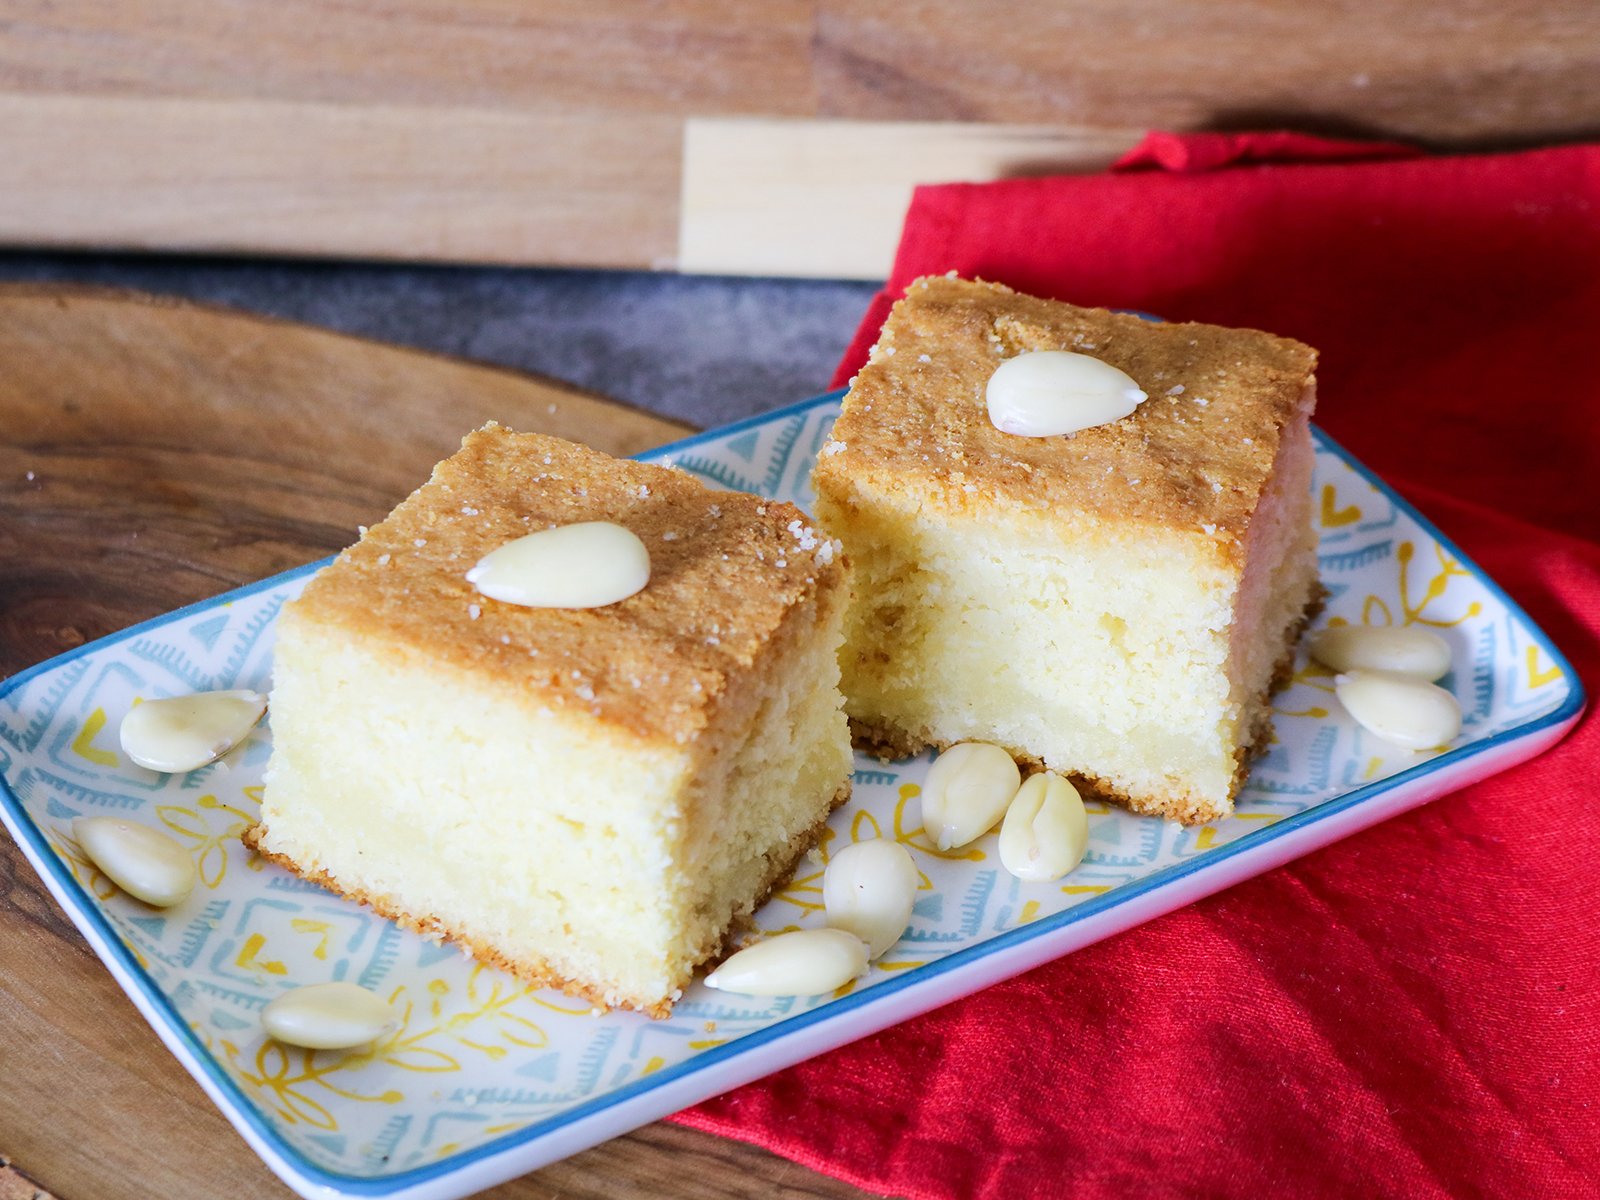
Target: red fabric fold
[
  {"x": 1412, "y": 1012},
  {"x": 1208, "y": 151}
]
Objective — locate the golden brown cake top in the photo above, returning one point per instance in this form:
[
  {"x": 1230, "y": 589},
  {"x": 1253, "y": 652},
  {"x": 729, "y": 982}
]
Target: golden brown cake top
[
  {"x": 1194, "y": 456},
  {"x": 725, "y": 569}
]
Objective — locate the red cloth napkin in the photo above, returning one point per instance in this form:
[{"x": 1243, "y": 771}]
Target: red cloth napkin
[{"x": 1412, "y": 1012}]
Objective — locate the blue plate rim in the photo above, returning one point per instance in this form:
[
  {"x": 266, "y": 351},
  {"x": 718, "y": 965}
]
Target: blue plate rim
[{"x": 242, "y": 1109}]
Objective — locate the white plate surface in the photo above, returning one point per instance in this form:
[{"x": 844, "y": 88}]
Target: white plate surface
[{"x": 487, "y": 1078}]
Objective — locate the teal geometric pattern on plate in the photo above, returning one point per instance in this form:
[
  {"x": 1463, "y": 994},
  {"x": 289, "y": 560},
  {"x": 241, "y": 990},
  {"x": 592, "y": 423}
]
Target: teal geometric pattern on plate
[{"x": 481, "y": 1062}]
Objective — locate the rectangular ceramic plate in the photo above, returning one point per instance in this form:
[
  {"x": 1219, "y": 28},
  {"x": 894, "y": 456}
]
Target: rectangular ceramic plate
[{"x": 488, "y": 1079}]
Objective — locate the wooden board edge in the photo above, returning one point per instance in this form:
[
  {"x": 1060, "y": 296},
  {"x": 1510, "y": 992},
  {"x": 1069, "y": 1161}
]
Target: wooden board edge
[
  {"x": 559, "y": 390},
  {"x": 826, "y": 199},
  {"x": 17, "y": 1184},
  {"x": 316, "y": 179}
]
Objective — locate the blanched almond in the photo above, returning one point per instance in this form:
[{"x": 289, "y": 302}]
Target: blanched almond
[
  {"x": 589, "y": 564},
  {"x": 328, "y": 1016},
  {"x": 803, "y": 962},
  {"x": 1044, "y": 393},
  {"x": 141, "y": 861},
  {"x": 1400, "y": 709},
  {"x": 1046, "y": 829},
  {"x": 966, "y": 792},
  {"x": 1404, "y": 649},
  {"x": 869, "y": 889},
  {"x": 184, "y": 733}
]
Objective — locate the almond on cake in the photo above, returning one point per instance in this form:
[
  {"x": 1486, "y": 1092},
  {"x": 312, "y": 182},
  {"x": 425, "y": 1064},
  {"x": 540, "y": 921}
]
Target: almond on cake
[
  {"x": 590, "y": 798},
  {"x": 1115, "y": 605}
]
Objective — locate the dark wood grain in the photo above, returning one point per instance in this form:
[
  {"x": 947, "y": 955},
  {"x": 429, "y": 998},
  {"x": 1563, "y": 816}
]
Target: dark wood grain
[
  {"x": 1461, "y": 73},
  {"x": 15, "y": 1185},
  {"x": 1451, "y": 72},
  {"x": 153, "y": 454},
  {"x": 552, "y": 132},
  {"x": 692, "y": 56}
]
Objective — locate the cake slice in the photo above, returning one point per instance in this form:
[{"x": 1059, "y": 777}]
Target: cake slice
[
  {"x": 1117, "y": 604},
  {"x": 589, "y": 798}
]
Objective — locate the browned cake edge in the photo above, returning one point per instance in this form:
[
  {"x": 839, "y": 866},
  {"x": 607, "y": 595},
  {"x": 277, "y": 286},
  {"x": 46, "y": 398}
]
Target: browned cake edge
[
  {"x": 1196, "y": 475},
  {"x": 537, "y": 971},
  {"x": 726, "y": 568},
  {"x": 887, "y": 741}
]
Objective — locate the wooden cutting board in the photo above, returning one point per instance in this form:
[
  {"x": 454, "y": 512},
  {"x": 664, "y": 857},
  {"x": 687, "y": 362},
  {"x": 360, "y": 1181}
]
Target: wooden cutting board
[
  {"x": 618, "y": 133},
  {"x": 156, "y": 453}
]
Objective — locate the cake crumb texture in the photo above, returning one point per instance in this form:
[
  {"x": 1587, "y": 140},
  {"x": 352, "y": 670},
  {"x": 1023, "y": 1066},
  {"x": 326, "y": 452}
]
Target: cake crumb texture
[
  {"x": 591, "y": 798},
  {"x": 1197, "y": 453},
  {"x": 537, "y": 971},
  {"x": 1112, "y": 604},
  {"x": 725, "y": 569}
]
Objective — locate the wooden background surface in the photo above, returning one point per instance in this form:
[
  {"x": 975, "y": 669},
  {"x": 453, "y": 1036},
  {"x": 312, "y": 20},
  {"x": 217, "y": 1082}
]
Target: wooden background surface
[
  {"x": 597, "y": 132},
  {"x": 176, "y": 452}
]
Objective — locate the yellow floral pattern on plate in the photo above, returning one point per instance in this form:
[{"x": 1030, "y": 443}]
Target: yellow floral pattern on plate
[{"x": 477, "y": 1055}]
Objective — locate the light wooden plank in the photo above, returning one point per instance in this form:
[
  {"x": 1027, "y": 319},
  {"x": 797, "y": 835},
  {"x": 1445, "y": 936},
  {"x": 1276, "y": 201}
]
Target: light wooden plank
[
  {"x": 552, "y": 56},
  {"x": 153, "y": 453},
  {"x": 826, "y": 199},
  {"x": 430, "y": 184},
  {"x": 551, "y": 132},
  {"x": 1444, "y": 73},
  {"x": 14, "y": 1185}
]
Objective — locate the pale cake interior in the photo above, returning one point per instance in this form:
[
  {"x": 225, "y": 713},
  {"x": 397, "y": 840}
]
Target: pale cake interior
[
  {"x": 590, "y": 798},
  {"x": 1114, "y": 604},
  {"x": 1141, "y": 651},
  {"x": 759, "y": 784},
  {"x": 561, "y": 849}
]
